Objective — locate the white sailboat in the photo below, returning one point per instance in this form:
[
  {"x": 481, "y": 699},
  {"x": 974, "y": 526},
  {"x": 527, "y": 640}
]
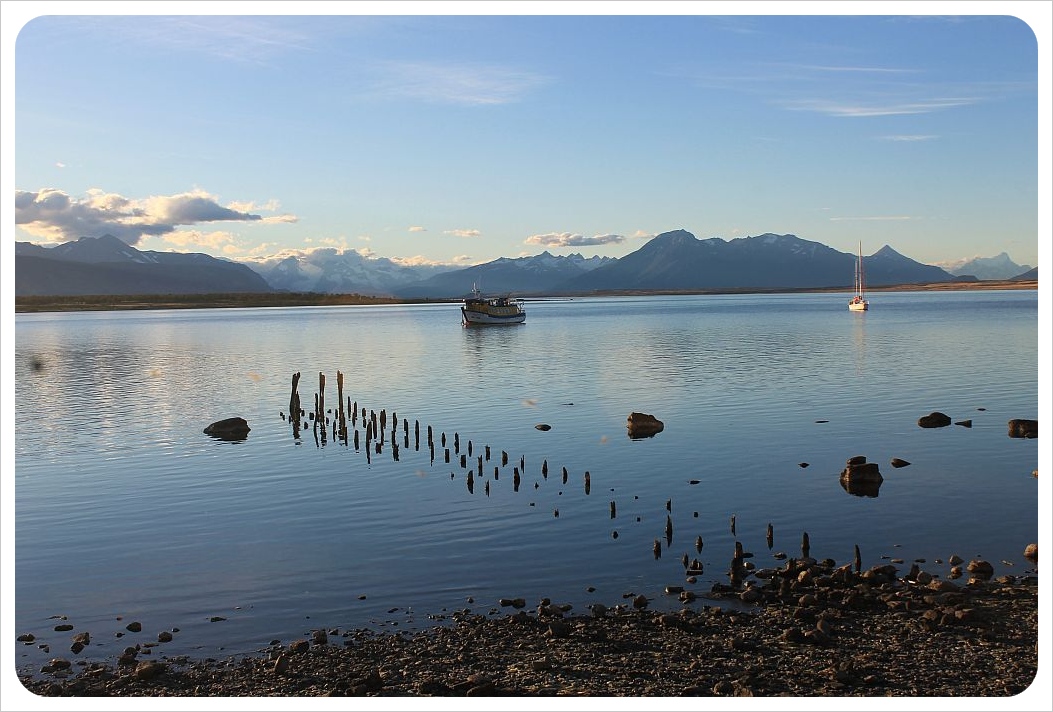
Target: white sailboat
[{"x": 859, "y": 301}]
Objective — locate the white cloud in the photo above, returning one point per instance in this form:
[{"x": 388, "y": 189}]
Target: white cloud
[
  {"x": 463, "y": 233},
  {"x": 875, "y": 217},
  {"x": 568, "y": 239},
  {"x": 469, "y": 84},
  {"x": 893, "y": 108},
  {"x": 909, "y": 138},
  {"x": 55, "y": 216},
  {"x": 417, "y": 228},
  {"x": 216, "y": 240}
]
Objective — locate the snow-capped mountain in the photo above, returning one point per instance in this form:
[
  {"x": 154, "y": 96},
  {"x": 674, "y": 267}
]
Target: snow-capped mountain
[{"x": 998, "y": 267}]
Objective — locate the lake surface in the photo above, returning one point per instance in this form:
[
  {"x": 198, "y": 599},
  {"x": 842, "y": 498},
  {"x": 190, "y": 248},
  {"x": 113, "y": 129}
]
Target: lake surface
[{"x": 126, "y": 511}]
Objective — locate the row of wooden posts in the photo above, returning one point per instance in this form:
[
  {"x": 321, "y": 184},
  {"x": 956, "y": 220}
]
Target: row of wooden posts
[{"x": 340, "y": 432}]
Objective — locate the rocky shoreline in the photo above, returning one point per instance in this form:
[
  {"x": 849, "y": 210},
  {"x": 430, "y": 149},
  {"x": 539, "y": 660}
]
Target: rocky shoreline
[{"x": 809, "y": 628}]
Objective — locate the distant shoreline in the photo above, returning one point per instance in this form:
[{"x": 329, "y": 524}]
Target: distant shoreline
[{"x": 29, "y": 304}]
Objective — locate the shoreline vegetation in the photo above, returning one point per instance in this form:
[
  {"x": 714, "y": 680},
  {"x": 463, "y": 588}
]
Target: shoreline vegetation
[{"x": 120, "y": 302}]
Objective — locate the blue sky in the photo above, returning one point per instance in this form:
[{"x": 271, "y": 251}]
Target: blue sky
[{"x": 472, "y": 133}]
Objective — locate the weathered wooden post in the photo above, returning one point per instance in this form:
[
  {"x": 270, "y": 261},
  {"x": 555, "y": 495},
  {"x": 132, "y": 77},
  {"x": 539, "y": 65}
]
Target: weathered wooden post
[
  {"x": 320, "y": 402},
  {"x": 805, "y": 546},
  {"x": 340, "y": 401},
  {"x": 294, "y": 399}
]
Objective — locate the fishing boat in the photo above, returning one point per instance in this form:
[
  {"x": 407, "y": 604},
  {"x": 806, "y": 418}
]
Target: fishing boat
[
  {"x": 859, "y": 301},
  {"x": 478, "y": 309}
]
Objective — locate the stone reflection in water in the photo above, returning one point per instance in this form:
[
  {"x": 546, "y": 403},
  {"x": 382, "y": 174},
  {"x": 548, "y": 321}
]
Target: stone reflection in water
[{"x": 861, "y": 489}]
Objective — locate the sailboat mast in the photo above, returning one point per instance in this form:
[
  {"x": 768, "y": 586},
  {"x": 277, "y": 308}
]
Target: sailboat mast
[{"x": 859, "y": 270}]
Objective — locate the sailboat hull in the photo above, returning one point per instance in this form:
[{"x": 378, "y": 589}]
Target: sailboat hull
[{"x": 858, "y": 306}]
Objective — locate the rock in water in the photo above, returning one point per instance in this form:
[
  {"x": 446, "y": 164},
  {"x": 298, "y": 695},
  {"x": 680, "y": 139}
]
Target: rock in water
[
  {"x": 643, "y": 425},
  {"x": 229, "y": 429},
  {"x": 1020, "y": 428},
  {"x": 935, "y": 419}
]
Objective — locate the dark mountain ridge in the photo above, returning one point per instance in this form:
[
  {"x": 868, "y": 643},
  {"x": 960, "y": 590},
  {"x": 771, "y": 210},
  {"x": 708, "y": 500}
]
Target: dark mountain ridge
[
  {"x": 107, "y": 265},
  {"x": 671, "y": 261},
  {"x": 678, "y": 260}
]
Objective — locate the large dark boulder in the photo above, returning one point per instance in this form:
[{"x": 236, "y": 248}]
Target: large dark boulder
[
  {"x": 229, "y": 429},
  {"x": 643, "y": 425},
  {"x": 1019, "y": 428},
  {"x": 935, "y": 419},
  {"x": 861, "y": 478}
]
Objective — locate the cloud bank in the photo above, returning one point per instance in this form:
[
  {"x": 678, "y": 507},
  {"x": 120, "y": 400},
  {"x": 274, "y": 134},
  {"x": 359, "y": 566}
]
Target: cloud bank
[
  {"x": 568, "y": 239},
  {"x": 55, "y": 216}
]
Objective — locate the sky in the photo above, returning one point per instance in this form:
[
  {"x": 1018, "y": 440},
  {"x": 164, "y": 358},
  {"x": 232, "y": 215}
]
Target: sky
[{"x": 458, "y": 133}]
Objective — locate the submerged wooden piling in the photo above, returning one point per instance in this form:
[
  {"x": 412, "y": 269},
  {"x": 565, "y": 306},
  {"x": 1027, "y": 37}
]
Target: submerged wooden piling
[
  {"x": 340, "y": 393},
  {"x": 294, "y": 399},
  {"x": 320, "y": 402}
]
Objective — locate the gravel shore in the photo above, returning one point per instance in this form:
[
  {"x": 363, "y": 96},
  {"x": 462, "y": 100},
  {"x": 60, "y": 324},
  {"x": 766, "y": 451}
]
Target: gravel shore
[{"x": 810, "y": 629}]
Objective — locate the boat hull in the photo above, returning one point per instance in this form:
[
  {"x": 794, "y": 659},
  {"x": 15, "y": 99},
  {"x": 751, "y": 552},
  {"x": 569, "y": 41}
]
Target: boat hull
[
  {"x": 470, "y": 316},
  {"x": 858, "y": 306}
]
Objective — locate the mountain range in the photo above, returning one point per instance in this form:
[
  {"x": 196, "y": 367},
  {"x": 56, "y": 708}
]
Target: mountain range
[
  {"x": 998, "y": 267},
  {"x": 675, "y": 260},
  {"x": 108, "y": 265}
]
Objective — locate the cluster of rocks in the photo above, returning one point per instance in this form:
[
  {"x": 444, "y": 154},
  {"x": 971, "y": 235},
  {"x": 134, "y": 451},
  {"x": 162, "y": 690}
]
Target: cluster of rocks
[
  {"x": 806, "y": 628},
  {"x": 1018, "y": 427}
]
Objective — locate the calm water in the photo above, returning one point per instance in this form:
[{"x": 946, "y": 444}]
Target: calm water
[{"x": 126, "y": 511}]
